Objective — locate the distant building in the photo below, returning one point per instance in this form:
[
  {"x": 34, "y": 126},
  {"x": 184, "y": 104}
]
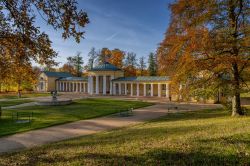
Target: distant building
[{"x": 105, "y": 79}]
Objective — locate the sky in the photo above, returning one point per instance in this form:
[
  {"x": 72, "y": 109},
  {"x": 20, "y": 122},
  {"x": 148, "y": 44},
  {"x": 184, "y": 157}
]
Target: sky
[{"x": 130, "y": 25}]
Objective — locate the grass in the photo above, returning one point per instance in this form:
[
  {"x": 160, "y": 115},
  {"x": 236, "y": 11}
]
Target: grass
[
  {"x": 24, "y": 95},
  {"x": 45, "y": 116},
  {"x": 209, "y": 137},
  {"x": 13, "y": 102},
  {"x": 245, "y": 94}
]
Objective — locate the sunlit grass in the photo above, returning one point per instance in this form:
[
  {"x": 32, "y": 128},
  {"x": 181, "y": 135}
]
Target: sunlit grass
[
  {"x": 210, "y": 137},
  {"x": 13, "y": 102},
  {"x": 45, "y": 116},
  {"x": 24, "y": 95}
]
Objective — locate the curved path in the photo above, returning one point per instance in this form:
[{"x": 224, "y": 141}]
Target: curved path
[{"x": 85, "y": 127}]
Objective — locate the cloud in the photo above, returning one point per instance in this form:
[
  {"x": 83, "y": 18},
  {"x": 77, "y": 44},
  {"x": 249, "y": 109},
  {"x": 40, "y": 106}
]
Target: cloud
[{"x": 111, "y": 37}]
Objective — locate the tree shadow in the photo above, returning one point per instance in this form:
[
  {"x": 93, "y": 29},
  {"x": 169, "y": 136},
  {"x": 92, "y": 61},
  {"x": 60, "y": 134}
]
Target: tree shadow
[
  {"x": 193, "y": 115},
  {"x": 156, "y": 156}
]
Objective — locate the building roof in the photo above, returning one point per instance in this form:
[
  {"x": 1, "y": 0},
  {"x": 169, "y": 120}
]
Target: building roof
[
  {"x": 57, "y": 74},
  {"x": 73, "y": 79},
  {"x": 143, "y": 78},
  {"x": 105, "y": 67}
]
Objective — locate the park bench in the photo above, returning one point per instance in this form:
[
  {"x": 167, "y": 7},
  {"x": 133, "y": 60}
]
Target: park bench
[
  {"x": 129, "y": 112},
  {"x": 173, "y": 108},
  {"x": 22, "y": 117}
]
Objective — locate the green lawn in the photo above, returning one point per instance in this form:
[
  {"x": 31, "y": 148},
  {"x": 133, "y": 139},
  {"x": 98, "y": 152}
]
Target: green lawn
[
  {"x": 245, "y": 94},
  {"x": 45, "y": 116},
  {"x": 13, "y": 102},
  {"x": 208, "y": 137},
  {"x": 25, "y": 95}
]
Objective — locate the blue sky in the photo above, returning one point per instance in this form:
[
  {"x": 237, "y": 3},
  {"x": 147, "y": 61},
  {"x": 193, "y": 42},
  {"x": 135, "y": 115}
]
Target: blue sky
[{"x": 130, "y": 25}]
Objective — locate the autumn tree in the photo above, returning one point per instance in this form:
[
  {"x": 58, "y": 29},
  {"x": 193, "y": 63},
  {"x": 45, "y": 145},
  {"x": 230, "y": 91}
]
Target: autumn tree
[
  {"x": 142, "y": 66},
  {"x": 130, "y": 64},
  {"x": 152, "y": 65},
  {"x": 117, "y": 57},
  {"x": 25, "y": 41},
  {"x": 67, "y": 68},
  {"x": 207, "y": 43},
  {"x": 103, "y": 55}
]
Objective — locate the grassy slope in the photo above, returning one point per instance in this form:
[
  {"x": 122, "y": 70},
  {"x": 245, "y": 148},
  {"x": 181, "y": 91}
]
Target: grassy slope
[
  {"x": 25, "y": 95},
  {"x": 191, "y": 138},
  {"x": 13, "y": 102},
  {"x": 45, "y": 116}
]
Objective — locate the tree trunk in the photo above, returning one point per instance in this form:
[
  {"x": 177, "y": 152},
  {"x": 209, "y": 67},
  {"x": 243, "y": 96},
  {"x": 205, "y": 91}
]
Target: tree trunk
[
  {"x": 19, "y": 89},
  {"x": 236, "y": 106}
]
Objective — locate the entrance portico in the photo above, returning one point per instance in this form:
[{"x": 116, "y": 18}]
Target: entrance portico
[
  {"x": 100, "y": 79},
  {"x": 107, "y": 79}
]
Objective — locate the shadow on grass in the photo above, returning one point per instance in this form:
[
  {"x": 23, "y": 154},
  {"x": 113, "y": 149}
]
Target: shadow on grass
[
  {"x": 233, "y": 140},
  {"x": 194, "y": 115},
  {"x": 157, "y": 156}
]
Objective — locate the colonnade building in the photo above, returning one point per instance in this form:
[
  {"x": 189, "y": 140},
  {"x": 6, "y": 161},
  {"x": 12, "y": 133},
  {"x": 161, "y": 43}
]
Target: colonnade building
[{"x": 105, "y": 79}]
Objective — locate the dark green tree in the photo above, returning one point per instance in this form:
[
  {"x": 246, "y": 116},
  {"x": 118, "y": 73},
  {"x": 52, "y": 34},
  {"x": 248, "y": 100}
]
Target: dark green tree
[
  {"x": 152, "y": 66},
  {"x": 75, "y": 64},
  {"x": 142, "y": 66}
]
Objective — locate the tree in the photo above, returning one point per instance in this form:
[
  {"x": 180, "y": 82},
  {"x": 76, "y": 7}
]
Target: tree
[
  {"x": 130, "y": 64},
  {"x": 142, "y": 66},
  {"x": 116, "y": 58},
  {"x": 67, "y": 68},
  {"x": 152, "y": 66},
  {"x": 208, "y": 40},
  {"x": 92, "y": 56},
  {"x": 74, "y": 65},
  {"x": 103, "y": 55},
  {"x": 78, "y": 64},
  {"x": 24, "y": 40}
]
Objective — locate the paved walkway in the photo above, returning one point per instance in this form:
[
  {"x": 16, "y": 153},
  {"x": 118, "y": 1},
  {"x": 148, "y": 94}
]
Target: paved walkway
[{"x": 85, "y": 127}]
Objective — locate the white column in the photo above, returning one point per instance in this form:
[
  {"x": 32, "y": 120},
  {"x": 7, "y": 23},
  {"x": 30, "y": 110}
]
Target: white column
[
  {"x": 131, "y": 89},
  {"x": 104, "y": 88},
  {"x": 120, "y": 88},
  {"x": 159, "y": 90},
  {"x": 97, "y": 84},
  {"x": 57, "y": 85},
  {"x": 84, "y": 87},
  {"x": 114, "y": 88},
  {"x": 111, "y": 85},
  {"x": 125, "y": 87},
  {"x": 91, "y": 85},
  {"x": 152, "y": 89},
  {"x": 66, "y": 86},
  {"x": 144, "y": 89},
  {"x": 88, "y": 90},
  {"x": 167, "y": 90},
  {"x": 137, "y": 89}
]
